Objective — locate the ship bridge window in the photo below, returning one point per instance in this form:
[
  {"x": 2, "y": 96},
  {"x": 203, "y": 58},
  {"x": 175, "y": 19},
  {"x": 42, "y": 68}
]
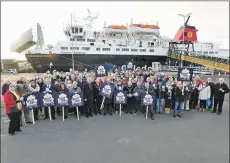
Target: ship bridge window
[
  {"x": 85, "y": 48},
  {"x": 83, "y": 40},
  {"x": 142, "y": 50},
  {"x": 74, "y": 48},
  {"x": 152, "y": 44},
  {"x": 125, "y": 49},
  {"x": 211, "y": 52},
  {"x": 81, "y": 30},
  {"x": 185, "y": 34},
  {"x": 205, "y": 52},
  {"x": 105, "y": 49},
  {"x": 117, "y": 49},
  {"x": 64, "y": 48},
  {"x": 151, "y": 50},
  {"x": 76, "y": 30},
  {"x": 91, "y": 44},
  {"x": 73, "y": 30},
  {"x": 134, "y": 50},
  {"x": 97, "y": 49},
  {"x": 72, "y": 39},
  {"x": 90, "y": 40},
  {"x": 199, "y": 51},
  {"x": 216, "y": 52},
  {"x": 103, "y": 41}
]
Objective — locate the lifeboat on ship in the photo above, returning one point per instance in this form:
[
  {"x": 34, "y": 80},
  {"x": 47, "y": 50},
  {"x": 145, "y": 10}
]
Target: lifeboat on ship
[
  {"x": 116, "y": 29},
  {"x": 144, "y": 28}
]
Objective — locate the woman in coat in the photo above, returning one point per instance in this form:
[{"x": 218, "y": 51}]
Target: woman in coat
[
  {"x": 34, "y": 88},
  {"x": 13, "y": 109},
  {"x": 204, "y": 95},
  {"x": 63, "y": 89},
  {"x": 130, "y": 99},
  {"x": 194, "y": 95},
  {"x": 97, "y": 99}
]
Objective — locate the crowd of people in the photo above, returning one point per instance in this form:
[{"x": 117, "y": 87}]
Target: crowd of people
[{"x": 170, "y": 95}]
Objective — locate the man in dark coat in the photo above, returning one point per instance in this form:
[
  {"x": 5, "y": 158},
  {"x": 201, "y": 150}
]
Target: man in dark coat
[
  {"x": 220, "y": 90},
  {"x": 49, "y": 87},
  {"x": 212, "y": 87},
  {"x": 88, "y": 96}
]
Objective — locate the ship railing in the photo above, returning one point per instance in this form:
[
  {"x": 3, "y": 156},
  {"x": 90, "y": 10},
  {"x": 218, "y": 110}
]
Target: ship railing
[{"x": 175, "y": 68}]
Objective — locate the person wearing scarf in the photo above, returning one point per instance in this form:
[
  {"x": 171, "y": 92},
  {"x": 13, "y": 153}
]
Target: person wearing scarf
[
  {"x": 34, "y": 88},
  {"x": 204, "y": 95},
  {"x": 13, "y": 109},
  {"x": 97, "y": 99},
  {"x": 22, "y": 88}
]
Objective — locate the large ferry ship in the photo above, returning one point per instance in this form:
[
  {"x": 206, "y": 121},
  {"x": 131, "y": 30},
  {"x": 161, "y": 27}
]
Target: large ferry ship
[{"x": 115, "y": 44}]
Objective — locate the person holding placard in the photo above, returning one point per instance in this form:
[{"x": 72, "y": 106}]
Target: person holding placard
[
  {"x": 48, "y": 87},
  {"x": 63, "y": 89},
  {"x": 149, "y": 90},
  {"x": 108, "y": 101},
  {"x": 34, "y": 88}
]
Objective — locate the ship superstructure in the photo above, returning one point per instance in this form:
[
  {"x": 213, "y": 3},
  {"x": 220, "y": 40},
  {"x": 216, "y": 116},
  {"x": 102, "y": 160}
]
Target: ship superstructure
[{"x": 116, "y": 44}]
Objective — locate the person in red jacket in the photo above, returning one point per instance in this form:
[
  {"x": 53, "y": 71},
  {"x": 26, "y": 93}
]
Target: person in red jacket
[{"x": 13, "y": 109}]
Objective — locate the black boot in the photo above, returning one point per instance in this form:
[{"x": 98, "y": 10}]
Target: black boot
[{"x": 151, "y": 116}]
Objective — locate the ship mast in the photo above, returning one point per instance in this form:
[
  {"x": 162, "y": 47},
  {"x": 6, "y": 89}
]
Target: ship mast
[{"x": 72, "y": 42}]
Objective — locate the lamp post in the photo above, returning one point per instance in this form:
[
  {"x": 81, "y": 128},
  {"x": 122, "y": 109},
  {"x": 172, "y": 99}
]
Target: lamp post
[
  {"x": 72, "y": 44},
  {"x": 184, "y": 16}
]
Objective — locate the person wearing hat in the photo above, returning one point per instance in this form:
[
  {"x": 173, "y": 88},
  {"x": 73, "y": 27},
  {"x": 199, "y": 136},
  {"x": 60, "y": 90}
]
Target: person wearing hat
[
  {"x": 13, "y": 109},
  {"x": 22, "y": 88},
  {"x": 161, "y": 94},
  {"x": 5, "y": 87}
]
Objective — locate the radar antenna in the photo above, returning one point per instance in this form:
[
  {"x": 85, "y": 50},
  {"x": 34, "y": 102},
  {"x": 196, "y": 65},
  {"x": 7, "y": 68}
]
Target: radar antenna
[{"x": 89, "y": 19}]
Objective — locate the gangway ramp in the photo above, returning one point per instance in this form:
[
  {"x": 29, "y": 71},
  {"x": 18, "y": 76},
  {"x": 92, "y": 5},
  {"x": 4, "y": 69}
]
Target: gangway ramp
[{"x": 211, "y": 63}]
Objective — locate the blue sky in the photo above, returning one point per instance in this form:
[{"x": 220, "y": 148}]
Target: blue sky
[{"x": 210, "y": 18}]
